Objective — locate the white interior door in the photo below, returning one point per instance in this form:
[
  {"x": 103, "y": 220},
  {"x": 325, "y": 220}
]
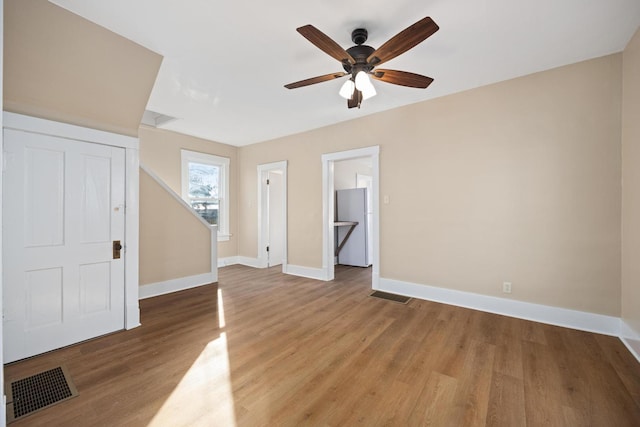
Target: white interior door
[
  {"x": 275, "y": 218},
  {"x": 63, "y": 204}
]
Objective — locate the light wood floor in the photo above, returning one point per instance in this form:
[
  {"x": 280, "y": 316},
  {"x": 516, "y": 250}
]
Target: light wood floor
[{"x": 273, "y": 350}]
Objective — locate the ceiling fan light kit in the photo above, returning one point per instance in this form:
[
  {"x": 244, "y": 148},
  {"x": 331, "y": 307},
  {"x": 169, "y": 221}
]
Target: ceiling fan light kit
[
  {"x": 364, "y": 85},
  {"x": 346, "y": 91},
  {"x": 359, "y": 61}
]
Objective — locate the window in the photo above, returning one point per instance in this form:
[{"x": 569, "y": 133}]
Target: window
[{"x": 205, "y": 186}]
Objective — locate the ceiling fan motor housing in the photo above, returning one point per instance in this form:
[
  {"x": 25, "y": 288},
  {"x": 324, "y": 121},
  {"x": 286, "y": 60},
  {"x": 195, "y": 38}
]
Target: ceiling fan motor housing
[
  {"x": 360, "y": 53},
  {"x": 359, "y": 35}
]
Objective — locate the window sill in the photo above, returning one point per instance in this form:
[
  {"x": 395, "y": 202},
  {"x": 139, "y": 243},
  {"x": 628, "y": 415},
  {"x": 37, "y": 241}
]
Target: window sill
[{"x": 224, "y": 237}]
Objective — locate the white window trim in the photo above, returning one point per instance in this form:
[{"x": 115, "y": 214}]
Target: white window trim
[{"x": 211, "y": 159}]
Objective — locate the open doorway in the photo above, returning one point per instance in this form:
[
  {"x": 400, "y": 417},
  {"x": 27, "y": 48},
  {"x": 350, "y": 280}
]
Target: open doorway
[
  {"x": 330, "y": 163},
  {"x": 272, "y": 215},
  {"x": 352, "y": 181}
]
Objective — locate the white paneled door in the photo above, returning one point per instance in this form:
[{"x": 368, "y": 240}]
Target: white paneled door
[{"x": 63, "y": 217}]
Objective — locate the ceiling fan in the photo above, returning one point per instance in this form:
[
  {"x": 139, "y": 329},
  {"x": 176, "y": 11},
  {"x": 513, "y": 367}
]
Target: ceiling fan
[{"x": 359, "y": 61}]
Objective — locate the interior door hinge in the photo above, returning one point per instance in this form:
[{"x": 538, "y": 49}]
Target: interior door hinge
[
  {"x": 267, "y": 182},
  {"x": 267, "y": 248}
]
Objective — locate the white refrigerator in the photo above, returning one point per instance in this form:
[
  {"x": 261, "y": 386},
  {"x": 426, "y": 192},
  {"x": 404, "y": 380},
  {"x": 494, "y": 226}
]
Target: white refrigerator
[{"x": 351, "y": 205}]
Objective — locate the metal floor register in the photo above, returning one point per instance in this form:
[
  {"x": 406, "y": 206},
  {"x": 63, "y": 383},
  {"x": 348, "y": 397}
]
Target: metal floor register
[{"x": 37, "y": 392}]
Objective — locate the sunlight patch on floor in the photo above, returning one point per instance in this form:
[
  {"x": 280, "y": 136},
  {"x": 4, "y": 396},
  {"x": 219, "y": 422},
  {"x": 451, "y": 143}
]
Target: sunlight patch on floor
[
  {"x": 221, "y": 323},
  {"x": 203, "y": 397}
]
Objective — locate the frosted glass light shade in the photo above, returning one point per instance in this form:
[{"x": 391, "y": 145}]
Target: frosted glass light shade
[
  {"x": 368, "y": 91},
  {"x": 364, "y": 85},
  {"x": 346, "y": 91},
  {"x": 362, "y": 80}
]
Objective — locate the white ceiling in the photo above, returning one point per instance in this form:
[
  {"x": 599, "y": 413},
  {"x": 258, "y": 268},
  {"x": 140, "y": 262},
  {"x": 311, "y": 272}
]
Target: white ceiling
[{"x": 225, "y": 63}]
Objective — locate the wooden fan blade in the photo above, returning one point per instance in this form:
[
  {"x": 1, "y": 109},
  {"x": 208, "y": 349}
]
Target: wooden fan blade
[
  {"x": 403, "y": 41},
  {"x": 314, "y": 80},
  {"x": 325, "y": 44},
  {"x": 402, "y": 78}
]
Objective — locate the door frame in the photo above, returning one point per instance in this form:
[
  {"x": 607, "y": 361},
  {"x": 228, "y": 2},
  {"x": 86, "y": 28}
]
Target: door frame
[
  {"x": 3, "y": 415},
  {"x": 328, "y": 208},
  {"x": 132, "y": 164},
  {"x": 262, "y": 171}
]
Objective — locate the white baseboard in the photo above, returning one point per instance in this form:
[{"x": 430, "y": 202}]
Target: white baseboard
[
  {"x": 308, "y": 272},
  {"x": 174, "y": 285},
  {"x": 224, "y": 262},
  {"x": 630, "y": 338},
  {"x": 294, "y": 270},
  {"x": 242, "y": 260},
  {"x": 249, "y": 262},
  {"x": 581, "y": 320}
]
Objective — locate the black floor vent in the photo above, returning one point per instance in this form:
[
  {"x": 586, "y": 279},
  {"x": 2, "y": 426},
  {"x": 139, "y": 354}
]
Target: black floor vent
[
  {"x": 391, "y": 297},
  {"x": 38, "y": 391}
]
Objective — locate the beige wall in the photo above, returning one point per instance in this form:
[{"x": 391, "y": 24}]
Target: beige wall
[
  {"x": 162, "y": 243},
  {"x": 631, "y": 184},
  {"x": 517, "y": 181},
  {"x": 62, "y": 67},
  {"x": 160, "y": 152}
]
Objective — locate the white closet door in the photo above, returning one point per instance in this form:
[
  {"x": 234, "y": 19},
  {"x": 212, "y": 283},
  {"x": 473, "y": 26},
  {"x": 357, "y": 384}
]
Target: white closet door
[
  {"x": 275, "y": 218},
  {"x": 63, "y": 204}
]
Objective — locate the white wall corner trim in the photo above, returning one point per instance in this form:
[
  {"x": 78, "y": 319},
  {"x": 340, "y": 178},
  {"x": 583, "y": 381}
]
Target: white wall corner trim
[
  {"x": 308, "y": 272},
  {"x": 630, "y": 338},
  {"x": 174, "y": 285},
  {"x": 574, "y": 319}
]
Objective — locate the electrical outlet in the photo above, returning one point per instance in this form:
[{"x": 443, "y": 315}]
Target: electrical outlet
[{"x": 506, "y": 287}]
